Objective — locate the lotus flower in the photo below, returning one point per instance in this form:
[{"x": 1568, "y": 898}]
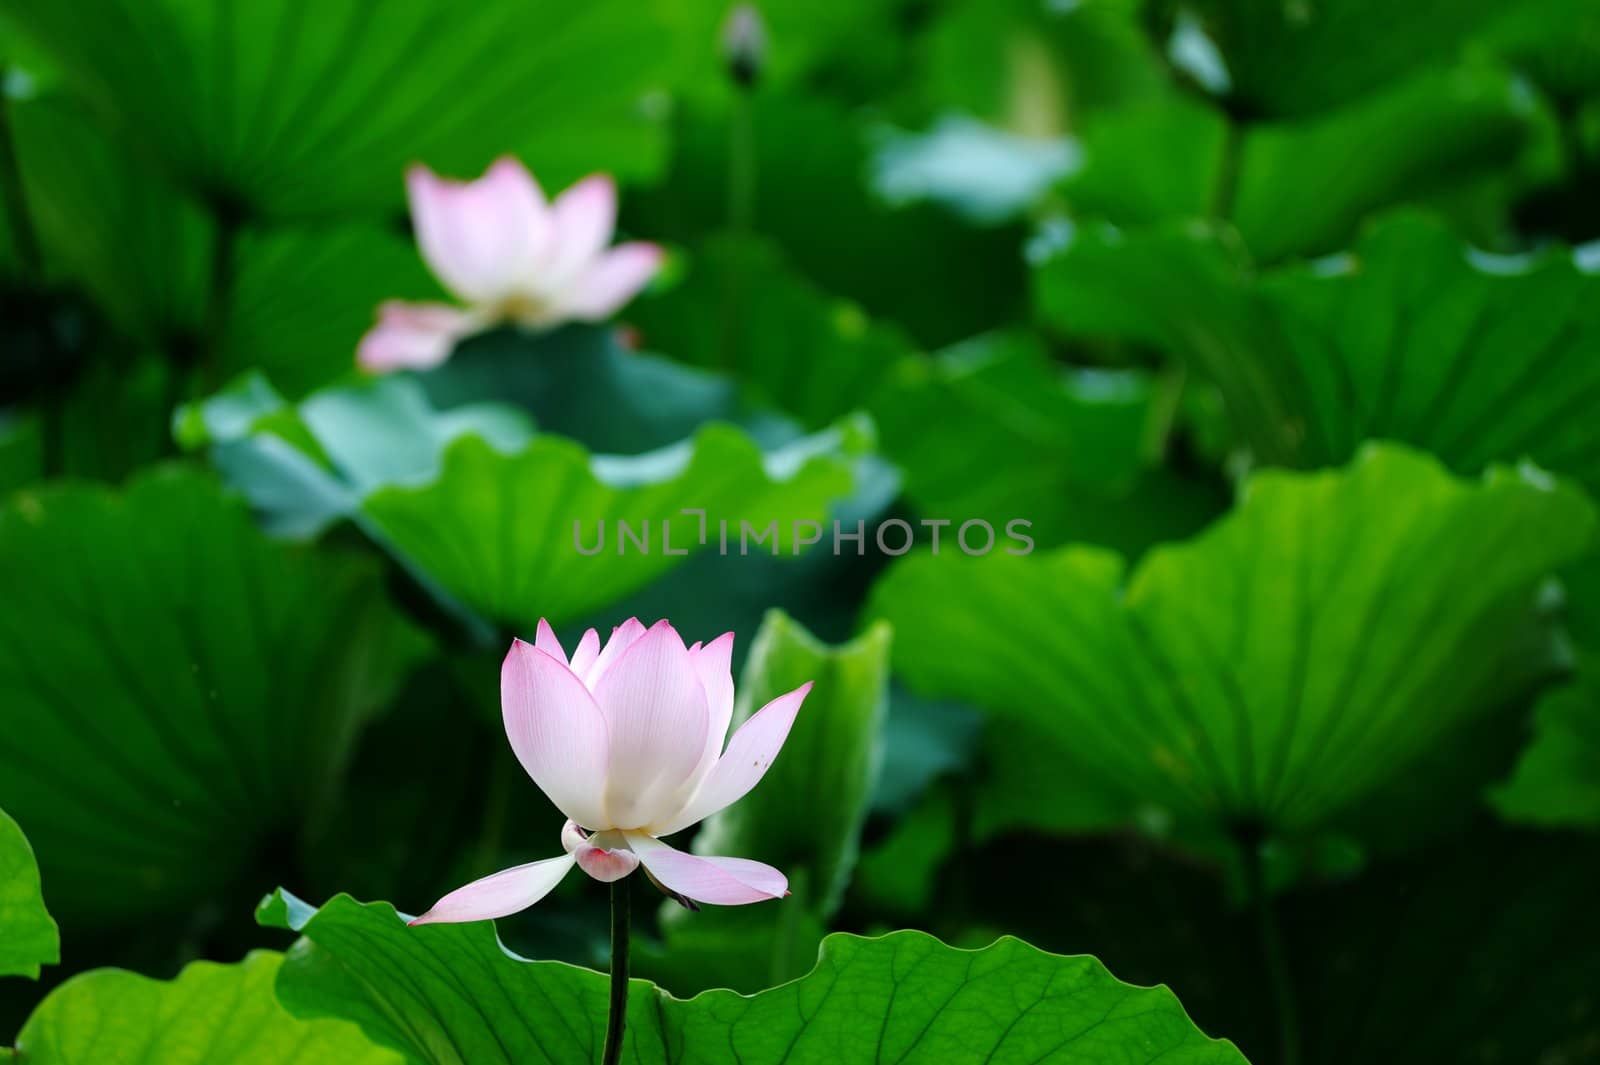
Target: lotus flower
[
  {"x": 626, "y": 740},
  {"x": 509, "y": 257}
]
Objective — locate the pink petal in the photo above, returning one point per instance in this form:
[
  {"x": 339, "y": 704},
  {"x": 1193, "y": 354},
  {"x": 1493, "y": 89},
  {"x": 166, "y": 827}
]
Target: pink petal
[
  {"x": 480, "y": 238},
  {"x": 622, "y": 638},
  {"x": 545, "y": 640},
  {"x": 499, "y": 894},
  {"x": 715, "y": 880},
  {"x": 583, "y": 218},
  {"x": 741, "y": 767},
  {"x": 655, "y": 712},
  {"x": 604, "y": 855},
  {"x": 584, "y": 655},
  {"x": 606, "y": 865},
  {"x": 572, "y": 837},
  {"x": 412, "y": 336},
  {"x": 613, "y": 280},
  {"x": 556, "y": 730},
  {"x": 711, "y": 664}
]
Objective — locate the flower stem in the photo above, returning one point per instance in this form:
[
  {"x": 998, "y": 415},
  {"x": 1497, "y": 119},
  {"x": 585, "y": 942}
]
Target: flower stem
[
  {"x": 742, "y": 164},
  {"x": 741, "y": 195},
  {"x": 1163, "y": 417},
  {"x": 1227, "y": 187},
  {"x": 228, "y": 220},
  {"x": 617, "y": 1019},
  {"x": 1273, "y": 955}
]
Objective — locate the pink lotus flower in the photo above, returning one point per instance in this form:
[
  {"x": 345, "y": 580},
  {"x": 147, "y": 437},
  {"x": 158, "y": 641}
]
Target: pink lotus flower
[
  {"x": 626, "y": 740},
  {"x": 500, "y": 249}
]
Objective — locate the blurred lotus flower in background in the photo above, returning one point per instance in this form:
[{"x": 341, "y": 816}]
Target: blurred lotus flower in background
[
  {"x": 509, "y": 256},
  {"x": 626, "y": 740}
]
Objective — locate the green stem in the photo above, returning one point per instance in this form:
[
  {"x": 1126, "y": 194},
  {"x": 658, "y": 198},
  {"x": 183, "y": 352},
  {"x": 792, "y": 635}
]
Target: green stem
[
  {"x": 1164, "y": 411},
  {"x": 1273, "y": 954},
  {"x": 742, "y": 164},
  {"x": 617, "y": 1018},
  {"x": 197, "y": 371},
  {"x": 224, "y": 271},
  {"x": 741, "y": 217},
  {"x": 1227, "y": 186}
]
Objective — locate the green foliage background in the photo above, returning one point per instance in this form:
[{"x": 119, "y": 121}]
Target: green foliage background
[{"x": 1279, "y": 322}]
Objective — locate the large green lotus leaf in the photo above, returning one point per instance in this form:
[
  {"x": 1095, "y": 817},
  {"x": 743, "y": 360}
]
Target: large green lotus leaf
[
  {"x": 580, "y": 383},
  {"x": 306, "y": 465},
  {"x": 421, "y": 481},
  {"x": 1296, "y": 59},
  {"x": 299, "y": 299},
  {"x": 176, "y": 687},
  {"x": 112, "y": 421},
  {"x": 28, "y": 937},
  {"x": 1473, "y": 357},
  {"x": 1557, "y": 778},
  {"x": 1556, "y": 42},
  {"x": 1582, "y": 585},
  {"x": 1158, "y": 159},
  {"x": 1297, "y": 657},
  {"x": 320, "y": 461},
  {"x": 742, "y": 309},
  {"x": 1304, "y": 189},
  {"x": 918, "y": 266},
  {"x": 27, "y": 72},
  {"x": 451, "y": 993},
  {"x": 109, "y": 224},
  {"x": 210, "y": 1014},
  {"x": 1556, "y": 782},
  {"x": 804, "y": 819},
  {"x": 303, "y": 296},
  {"x": 1409, "y": 337},
  {"x": 1020, "y": 437},
  {"x": 1104, "y": 282},
  {"x": 1300, "y": 187},
  {"x": 308, "y": 109},
  {"x": 540, "y": 532},
  {"x": 1005, "y": 410}
]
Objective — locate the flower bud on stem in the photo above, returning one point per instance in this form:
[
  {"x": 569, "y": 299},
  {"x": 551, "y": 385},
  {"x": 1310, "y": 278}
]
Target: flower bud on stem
[{"x": 744, "y": 45}]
